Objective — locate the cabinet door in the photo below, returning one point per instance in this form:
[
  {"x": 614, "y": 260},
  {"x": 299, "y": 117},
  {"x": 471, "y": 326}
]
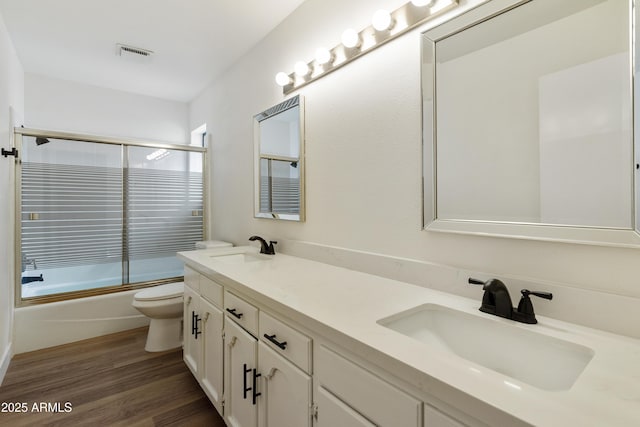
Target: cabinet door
[
  {"x": 240, "y": 377},
  {"x": 332, "y": 412},
  {"x": 211, "y": 374},
  {"x": 377, "y": 400},
  {"x": 434, "y": 418},
  {"x": 192, "y": 325},
  {"x": 286, "y": 391}
]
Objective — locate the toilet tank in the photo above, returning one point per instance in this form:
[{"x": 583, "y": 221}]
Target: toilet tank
[{"x": 208, "y": 244}]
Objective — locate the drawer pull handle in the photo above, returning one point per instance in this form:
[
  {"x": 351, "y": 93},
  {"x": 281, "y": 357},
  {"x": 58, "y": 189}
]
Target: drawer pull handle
[
  {"x": 272, "y": 338},
  {"x": 233, "y": 312}
]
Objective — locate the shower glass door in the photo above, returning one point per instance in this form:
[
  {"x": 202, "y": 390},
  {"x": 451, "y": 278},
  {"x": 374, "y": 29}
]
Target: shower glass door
[
  {"x": 100, "y": 217},
  {"x": 163, "y": 207},
  {"x": 72, "y": 216}
]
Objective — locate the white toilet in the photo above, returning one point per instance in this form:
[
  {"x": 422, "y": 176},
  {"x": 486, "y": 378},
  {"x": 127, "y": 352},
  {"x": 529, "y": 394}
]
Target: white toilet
[{"x": 164, "y": 306}]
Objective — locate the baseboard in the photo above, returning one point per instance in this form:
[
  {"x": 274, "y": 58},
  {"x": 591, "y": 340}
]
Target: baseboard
[{"x": 4, "y": 362}]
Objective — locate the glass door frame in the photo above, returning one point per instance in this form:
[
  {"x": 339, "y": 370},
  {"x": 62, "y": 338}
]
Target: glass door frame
[{"x": 19, "y": 132}]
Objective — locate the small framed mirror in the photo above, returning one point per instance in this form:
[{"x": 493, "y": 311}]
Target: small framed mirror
[{"x": 279, "y": 161}]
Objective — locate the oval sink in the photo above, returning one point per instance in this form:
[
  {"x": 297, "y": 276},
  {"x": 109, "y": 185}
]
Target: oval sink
[
  {"x": 539, "y": 360},
  {"x": 239, "y": 258}
]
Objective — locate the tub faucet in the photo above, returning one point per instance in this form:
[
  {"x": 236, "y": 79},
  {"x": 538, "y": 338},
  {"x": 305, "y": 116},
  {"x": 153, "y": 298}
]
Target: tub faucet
[
  {"x": 26, "y": 261},
  {"x": 29, "y": 279},
  {"x": 265, "y": 248}
]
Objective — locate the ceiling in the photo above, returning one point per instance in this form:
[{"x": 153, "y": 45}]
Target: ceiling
[{"x": 193, "y": 40}]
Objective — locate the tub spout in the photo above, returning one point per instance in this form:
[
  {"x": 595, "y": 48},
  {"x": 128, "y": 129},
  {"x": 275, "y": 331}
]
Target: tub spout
[{"x": 30, "y": 279}]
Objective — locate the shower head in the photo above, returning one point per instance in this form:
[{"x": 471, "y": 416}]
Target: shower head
[{"x": 40, "y": 141}]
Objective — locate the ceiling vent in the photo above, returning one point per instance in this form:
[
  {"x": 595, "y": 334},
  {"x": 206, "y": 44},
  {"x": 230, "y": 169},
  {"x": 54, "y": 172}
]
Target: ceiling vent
[{"x": 137, "y": 54}]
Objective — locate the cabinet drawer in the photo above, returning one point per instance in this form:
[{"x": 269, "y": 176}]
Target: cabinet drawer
[
  {"x": 297, "y": 346},
  {"x": 377, "y": 400},
  {"x": 211, "y": 291},
  {"x": 192, "y": 278},
  {"x": 243, "y": 313}
]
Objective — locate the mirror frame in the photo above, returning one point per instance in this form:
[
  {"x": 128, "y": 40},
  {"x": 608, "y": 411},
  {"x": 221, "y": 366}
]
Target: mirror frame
[
  {"x": 296, "y": 101},
  {"x": 591, "y": 235}
]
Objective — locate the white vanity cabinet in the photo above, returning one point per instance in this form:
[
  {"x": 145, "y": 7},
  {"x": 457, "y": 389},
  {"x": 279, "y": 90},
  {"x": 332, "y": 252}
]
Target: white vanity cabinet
[
  {"x": 274, "y": 375},
  {"x": 334, "y": 412},
  {"x": 267, "y": 383},
  {"x": 349, "y": 394},
  {"x": 211, "y": 376},
  {"x": 191, "y": 345},
  {"x": 435, "y": 418},
  {"x": 203, "y": 328},
  {"x": 284, "y": 360},
  {"x": 241, "y": 377}
]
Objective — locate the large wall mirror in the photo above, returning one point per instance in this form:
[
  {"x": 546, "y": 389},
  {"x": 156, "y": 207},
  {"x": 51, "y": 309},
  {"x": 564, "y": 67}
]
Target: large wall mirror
[
  {"x": 279, "y": 161},
  {"x": 528, "y": 122}
]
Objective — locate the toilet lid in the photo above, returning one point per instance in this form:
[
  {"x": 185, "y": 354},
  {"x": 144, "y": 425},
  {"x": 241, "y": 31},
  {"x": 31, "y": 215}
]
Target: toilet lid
[{"x": 171, "y": 290}]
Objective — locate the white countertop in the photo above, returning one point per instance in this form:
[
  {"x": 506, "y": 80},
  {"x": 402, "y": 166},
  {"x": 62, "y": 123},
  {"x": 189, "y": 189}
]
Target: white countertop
[{"x": 349, "y": 303}]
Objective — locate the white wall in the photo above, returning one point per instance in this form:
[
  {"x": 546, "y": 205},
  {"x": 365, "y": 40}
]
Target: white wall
[
  {"x": 11, "y": 97},
  {"x": 363, "y": 176},
  {"x": 55, "y": 104}
]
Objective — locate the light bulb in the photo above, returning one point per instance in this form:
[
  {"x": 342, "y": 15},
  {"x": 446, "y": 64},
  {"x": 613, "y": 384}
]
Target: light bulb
[
  {"x": 350, "y": 38},
  {"x": 421, "y": 3},
  {"x": 301, "y": 69},
  {"x": 283, "y": 79},
  {"x": 323, "y": 56},
  {"x": 381, "y": 20}
]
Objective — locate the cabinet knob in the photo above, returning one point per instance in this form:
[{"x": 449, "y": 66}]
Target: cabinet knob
[
  {"x": 271, "y": 373},
  {"x": 232, "y": 341}
]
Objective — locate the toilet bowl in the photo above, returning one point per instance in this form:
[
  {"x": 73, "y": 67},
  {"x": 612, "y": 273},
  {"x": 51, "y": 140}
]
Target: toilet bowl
[{"x": 163, "y": 305}]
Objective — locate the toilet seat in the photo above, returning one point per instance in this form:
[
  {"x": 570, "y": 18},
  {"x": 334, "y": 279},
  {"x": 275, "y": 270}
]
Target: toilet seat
[{"x": 162, "y": 292}]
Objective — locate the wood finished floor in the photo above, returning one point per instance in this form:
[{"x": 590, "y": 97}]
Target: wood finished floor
[{"x": 109, "y": 381}]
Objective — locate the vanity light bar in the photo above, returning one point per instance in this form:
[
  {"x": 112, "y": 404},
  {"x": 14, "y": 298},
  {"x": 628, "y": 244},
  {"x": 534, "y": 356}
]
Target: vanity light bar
[{"x": 385, "y": 27}]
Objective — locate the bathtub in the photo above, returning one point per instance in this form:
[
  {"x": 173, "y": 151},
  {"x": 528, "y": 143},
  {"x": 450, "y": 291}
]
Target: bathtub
[{"x": 46, "y": 325}]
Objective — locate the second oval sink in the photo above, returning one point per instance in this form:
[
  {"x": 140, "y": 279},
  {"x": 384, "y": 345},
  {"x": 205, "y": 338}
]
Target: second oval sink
[{"x": 539, "y": 360}]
